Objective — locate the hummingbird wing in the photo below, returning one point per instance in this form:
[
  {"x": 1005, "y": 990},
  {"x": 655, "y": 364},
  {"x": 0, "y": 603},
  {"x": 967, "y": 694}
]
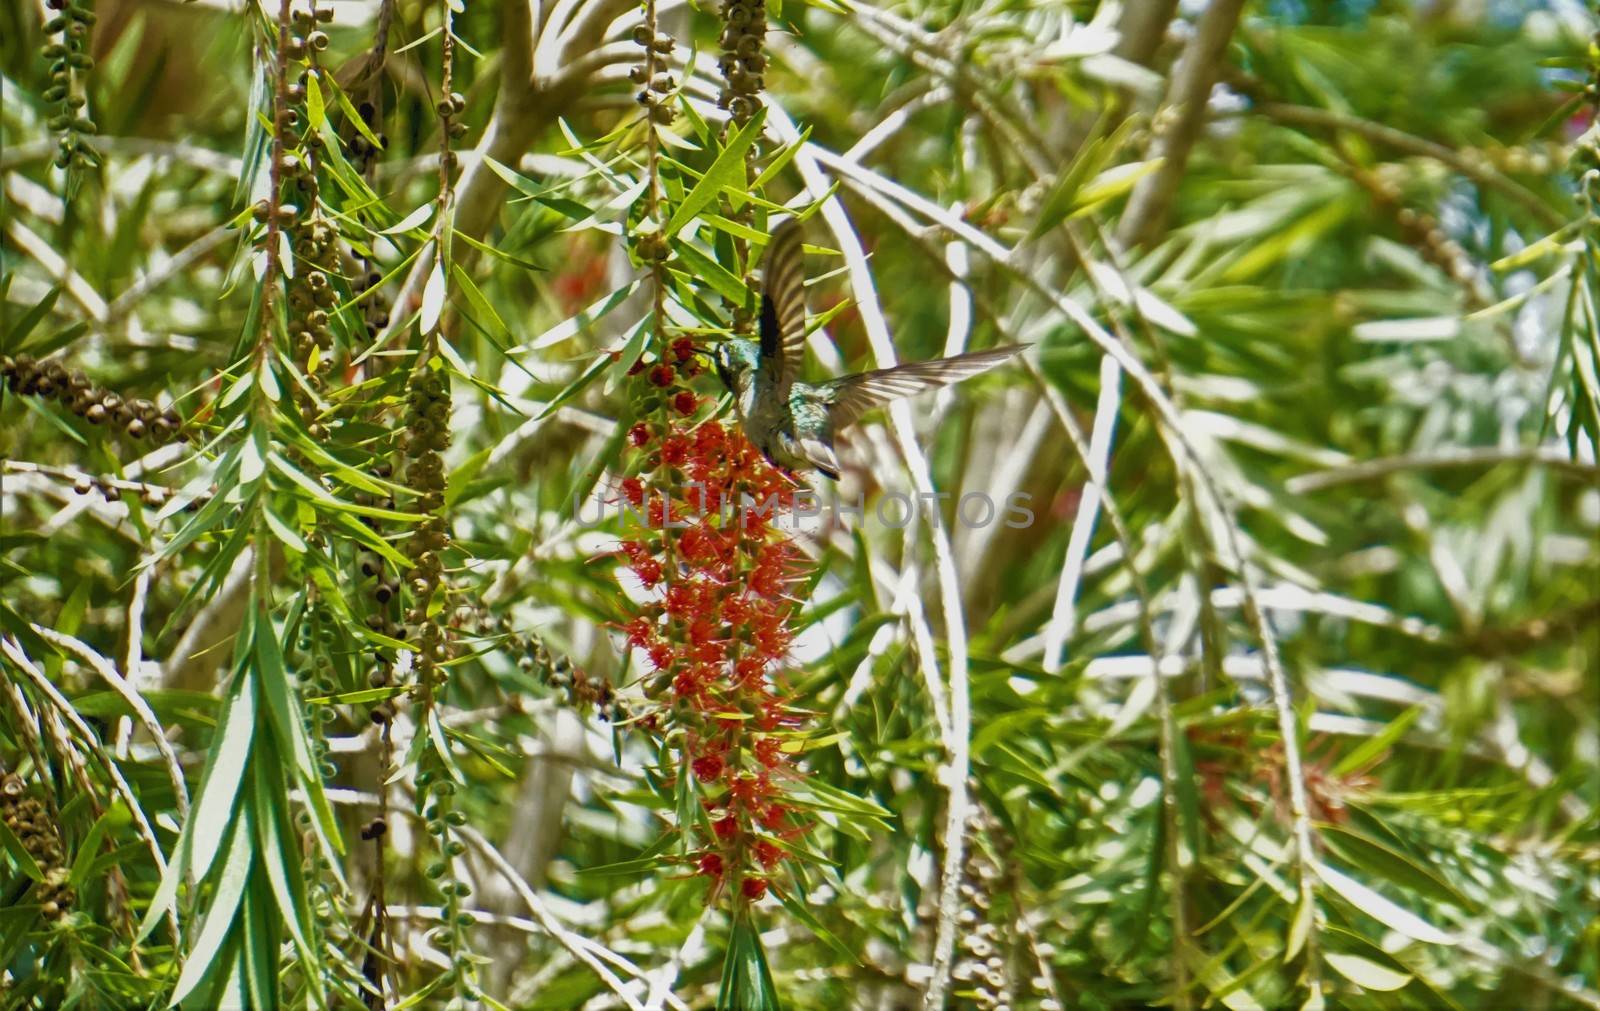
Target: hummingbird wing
[
  {"x": 855, "y": 395},
  {"x": 783, "y": 304}
]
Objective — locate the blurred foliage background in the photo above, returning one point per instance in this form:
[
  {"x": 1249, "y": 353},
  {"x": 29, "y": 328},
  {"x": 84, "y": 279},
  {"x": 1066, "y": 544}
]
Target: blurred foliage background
[{"x": 1287, "y": 697}]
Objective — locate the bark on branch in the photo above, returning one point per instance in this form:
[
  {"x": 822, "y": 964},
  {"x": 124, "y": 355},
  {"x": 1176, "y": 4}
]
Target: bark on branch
[{"x": 1179, "y": 122}]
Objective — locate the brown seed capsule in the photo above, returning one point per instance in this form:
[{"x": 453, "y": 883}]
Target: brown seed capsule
[{"x": 96, "y": 414}]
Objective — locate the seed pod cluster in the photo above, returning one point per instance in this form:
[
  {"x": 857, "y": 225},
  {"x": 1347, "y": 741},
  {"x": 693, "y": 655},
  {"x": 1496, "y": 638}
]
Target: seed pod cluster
[
  {"x": 426, "y": 438},
  {"x": 363, "y": 155},
  {"x": 743, "y": 65},
  {"x": 983, "y": 966},
  {"x": 383, "y": 590},
  {"x": 152, "y": 495},
  {"x": 450, "y": 108},
  {"x": 582, "y": 690},
  {"x": 28, "y": 820},
  {"x": 312, "y": 291},
  {"x": 317, "y": 643},
  {"x": 436, "y": 797},
  {"x": 136, "y": 418},
  {"x": 1419, "y": 229},
  {"x": 650, "y": 72},
  {"x": 67, "y": 48}
]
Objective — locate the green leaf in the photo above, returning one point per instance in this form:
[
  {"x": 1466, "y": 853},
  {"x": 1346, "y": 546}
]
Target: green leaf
[
  {"x": 255, "y": 134},
  {"x": 219, "y": 917},
  {"x": 416, "y": 219},
  {"x": 799, "y": 911},
  {"x": 704, "y": 268},
  {"x": 746, "y": 981},
  {"x": 726, "y": 173},
  {"x": 499, "y": 254},
  {"x": 89, "y": 847},
  {"x": 480, "y": 305},
  {"x": 325, "y": 498},
  {"x": 1390, "y": 864},
  {"x": 433, "y": 296},
  {"x": 1385, "y": 911},
  {"x": 19, "y": 853},
  {"x": 516, "y": 180},
  {"x": 352, "y": 116},
  {"x": 214, "y": 809},
  {"x": 1377, "y": 744},
  {"x": 24, "y": 326},
  {"x": 289, "y": 724},
  {"x": 1365, "y": 973},
  {"x": 283, "y": 875}
]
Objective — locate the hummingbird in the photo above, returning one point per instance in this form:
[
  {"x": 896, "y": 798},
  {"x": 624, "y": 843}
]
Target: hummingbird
[{"x": 794, "y": 423}]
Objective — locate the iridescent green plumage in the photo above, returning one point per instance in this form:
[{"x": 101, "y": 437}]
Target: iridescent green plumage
[{"x": 795, "y": 423}]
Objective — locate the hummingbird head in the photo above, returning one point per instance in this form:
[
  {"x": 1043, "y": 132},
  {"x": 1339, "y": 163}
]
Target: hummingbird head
[{"x": 735, "y": 360}]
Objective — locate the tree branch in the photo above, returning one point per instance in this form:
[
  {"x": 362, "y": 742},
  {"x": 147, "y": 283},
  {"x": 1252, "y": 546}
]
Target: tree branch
[{"x": 1179, "y": 123}]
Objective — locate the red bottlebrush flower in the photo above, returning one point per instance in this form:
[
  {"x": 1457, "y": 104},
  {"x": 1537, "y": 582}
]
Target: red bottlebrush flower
[
  {"x": 657, "y": 513},
  {"x": 748, "y": 670},
  {"x": 648, "y": 570},
  {"x": 689, "y": 683},
  {"x": 661, "y": 655},
  {"x": 708, "y": 768},
  {"x": 702, "y": 632},
  {"x": 675, "y": 450},
  {"x": 583, "y": 278},
  {"x": 636, "y": 368},
  {"x": 773, "y": 817},
  {"x": 769, "y": 752},
  {"x": 709, "y": 440},
  {"x": 767, "y": 853},
  {"x": 633, "y": 550},
  {"x": 737, "y": 610},
  {"x": 721, "y": 623},
  {"x": 633, "y": 490},
  {"x": 679, "y": 600},
  {"x": 748, "y": 790},
  {"x": 640, "y": 633}
]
